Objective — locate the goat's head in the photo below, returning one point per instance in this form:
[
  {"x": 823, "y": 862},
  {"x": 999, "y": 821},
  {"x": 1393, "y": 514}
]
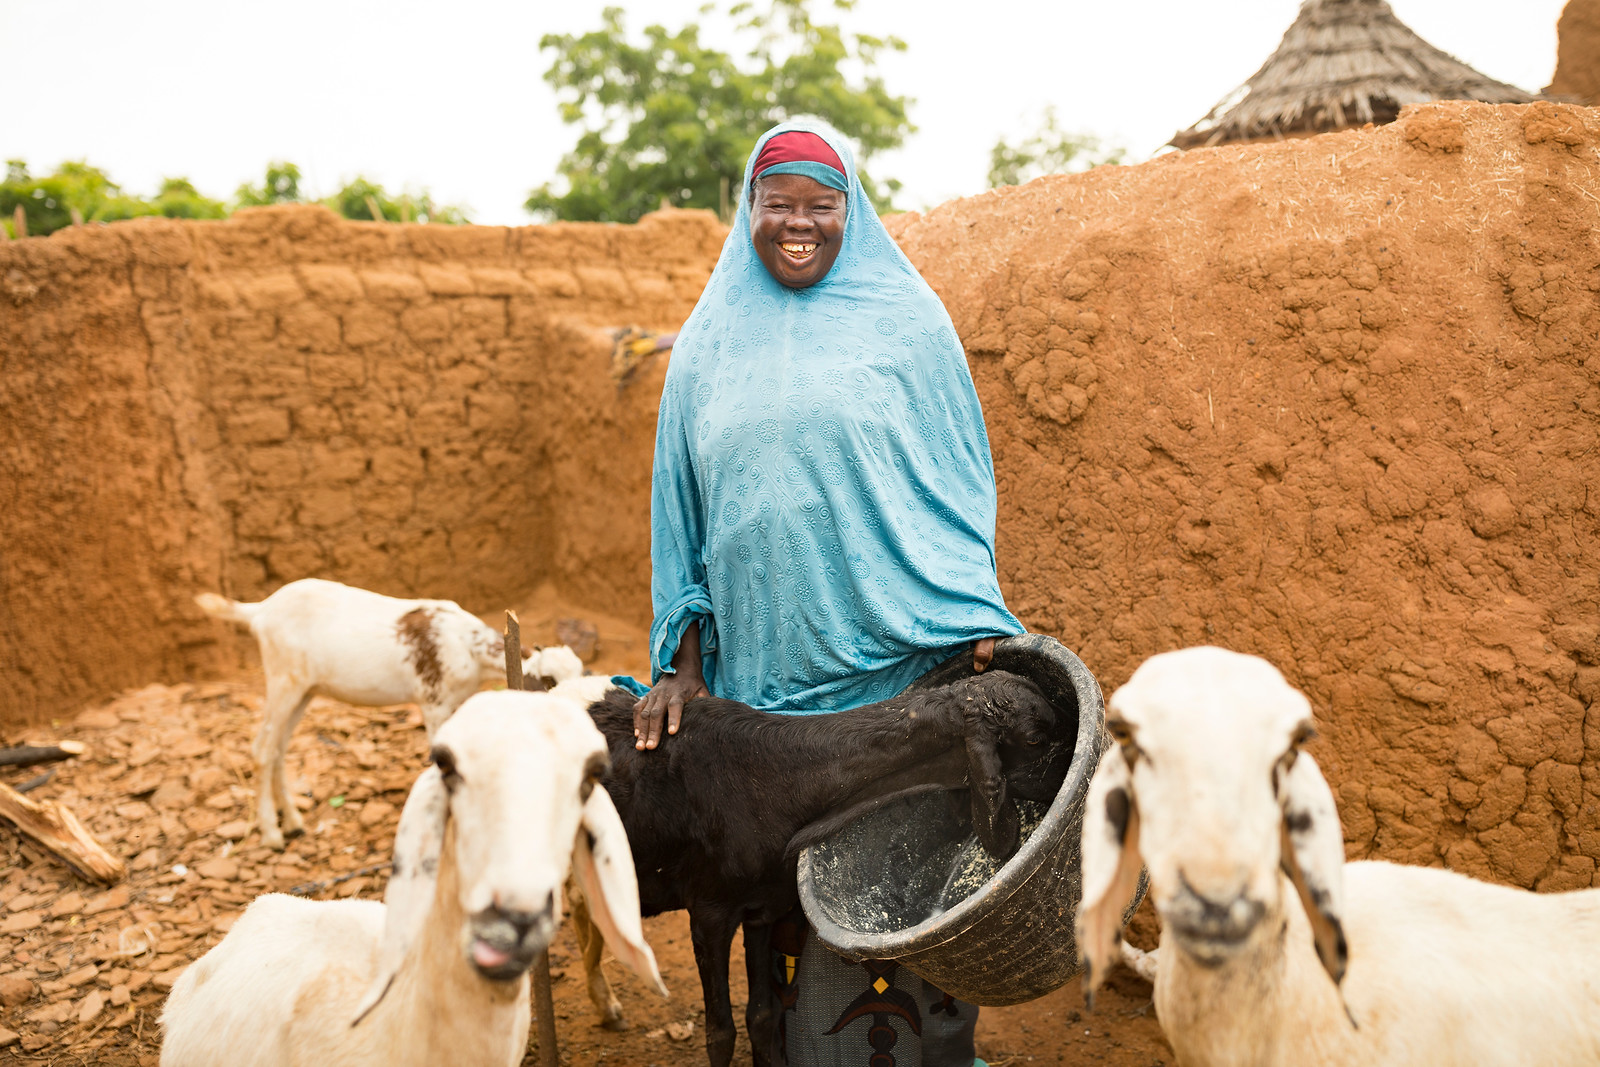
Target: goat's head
[
  {"x": 1008, "y": 723},
  {"x": 488, "y": 648},
  {"x": 1208, "y": 785},
  {"x": 553, "y": 664},
  {"x": 511, "y": 803}
]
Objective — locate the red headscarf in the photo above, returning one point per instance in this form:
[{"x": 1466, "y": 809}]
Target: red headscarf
[{"x": 800, "y": 152}]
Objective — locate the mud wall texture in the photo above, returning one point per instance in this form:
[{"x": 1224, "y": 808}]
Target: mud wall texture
[
  {"x": 420, "y": 410},
  {"x": 1577, "y": 74},
  {"x": 1335, "y": 402}
]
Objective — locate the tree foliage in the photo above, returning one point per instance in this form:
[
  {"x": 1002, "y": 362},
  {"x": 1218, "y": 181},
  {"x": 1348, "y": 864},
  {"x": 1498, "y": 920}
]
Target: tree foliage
[
  {"x": 1049, "y": 151},
  {"x": 669, "y": 118},
  {"x": 49, "y": 201},
  {"x": 355, "y": 201},
  {"x": 281, "y": 185}
]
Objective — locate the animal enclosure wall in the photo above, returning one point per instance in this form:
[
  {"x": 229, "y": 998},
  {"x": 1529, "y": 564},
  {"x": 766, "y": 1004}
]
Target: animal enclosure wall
[
  {"x": 423, "y": 410},
  {"x": 1334, "y": 401}
]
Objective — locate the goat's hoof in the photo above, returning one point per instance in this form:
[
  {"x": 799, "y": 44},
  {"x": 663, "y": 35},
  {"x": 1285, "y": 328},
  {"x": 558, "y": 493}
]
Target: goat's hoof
[
  {"x": 294, "y": 831},
  {"x": 615, "y": 1022},
  {"x": 273, "y": 841}
]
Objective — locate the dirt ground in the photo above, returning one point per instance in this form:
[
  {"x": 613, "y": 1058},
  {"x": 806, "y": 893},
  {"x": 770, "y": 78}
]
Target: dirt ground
[{"x": 167, "y": 782}]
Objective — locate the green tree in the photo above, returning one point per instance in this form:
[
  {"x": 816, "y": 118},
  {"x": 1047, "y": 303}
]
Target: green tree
[
  {"x": 671, "y": 119},
  {"x": 49, "y": 201},
  {"x": 178, "y": 199},
  {"x": 355, "y": 201},
  {"x": 281, "y": 185},
  {"x": 1049, "y": 151}
]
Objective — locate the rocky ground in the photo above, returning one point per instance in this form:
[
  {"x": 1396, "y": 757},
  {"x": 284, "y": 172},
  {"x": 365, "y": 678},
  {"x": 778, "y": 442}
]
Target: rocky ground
[{"x": 167, "y": 783}]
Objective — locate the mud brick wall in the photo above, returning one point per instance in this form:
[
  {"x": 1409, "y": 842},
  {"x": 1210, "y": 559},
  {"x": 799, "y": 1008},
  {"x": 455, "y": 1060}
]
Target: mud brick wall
[
  {"x": 1333, "y": 401},
  {"x": 422, "y": 410}
]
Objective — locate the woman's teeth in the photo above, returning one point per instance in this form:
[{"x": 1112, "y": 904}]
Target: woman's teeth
[{"x": 798, "y": 251}]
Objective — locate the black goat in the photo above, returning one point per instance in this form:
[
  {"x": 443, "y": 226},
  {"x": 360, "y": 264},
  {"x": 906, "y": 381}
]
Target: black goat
[{"x": 716, "y": 815}]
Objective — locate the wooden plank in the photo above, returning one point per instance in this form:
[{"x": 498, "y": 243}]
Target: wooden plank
[{"x": 57, "y": 829}]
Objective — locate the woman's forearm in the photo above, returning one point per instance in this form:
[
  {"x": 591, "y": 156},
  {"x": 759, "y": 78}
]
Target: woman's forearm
[{"x": 686, "y": 661}]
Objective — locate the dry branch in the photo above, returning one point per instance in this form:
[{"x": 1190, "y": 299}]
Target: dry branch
[
  {"x": 57, "y": 829},
  {"x": 306, "y": 889},
  {"x": 36, "y": 781},
  {"x": 28, "y": 755}
]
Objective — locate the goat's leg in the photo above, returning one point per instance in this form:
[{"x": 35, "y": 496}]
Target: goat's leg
[
  {"x": 590, "y": 943},
  {"x": 760, "y": 1016},
  {"x": 711, "y": 929},
  {"x": 293, "y": 822},
  {"x": 435, "y": 715},
  {"x": 272, "y": 740}
]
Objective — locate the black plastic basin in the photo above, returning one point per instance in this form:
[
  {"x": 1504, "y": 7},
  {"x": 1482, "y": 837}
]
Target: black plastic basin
[{"x": 880, "y": 888}]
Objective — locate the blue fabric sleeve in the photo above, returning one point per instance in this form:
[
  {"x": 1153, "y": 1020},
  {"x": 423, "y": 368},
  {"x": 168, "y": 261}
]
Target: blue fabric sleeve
[
  {"x": 678, "y": 590},
  {"x": 630, "y": 684}
]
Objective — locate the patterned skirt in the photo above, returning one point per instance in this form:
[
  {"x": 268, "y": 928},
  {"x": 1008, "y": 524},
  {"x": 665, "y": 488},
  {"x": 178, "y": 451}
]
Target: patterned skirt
[{"x": 835, "y": 1013}]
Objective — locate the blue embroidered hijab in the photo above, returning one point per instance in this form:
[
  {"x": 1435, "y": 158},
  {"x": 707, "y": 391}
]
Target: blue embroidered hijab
[{"x": 823, "y": 499}]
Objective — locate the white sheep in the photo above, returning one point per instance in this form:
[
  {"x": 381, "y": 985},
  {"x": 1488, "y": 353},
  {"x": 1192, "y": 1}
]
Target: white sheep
[
  {"x": 437, "y": 974},
  {"x": 1273, "y": 950},
  {"x": 323, "y": 638}
]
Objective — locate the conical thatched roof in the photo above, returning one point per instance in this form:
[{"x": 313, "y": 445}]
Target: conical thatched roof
[{"x": 1343, "y": 63}]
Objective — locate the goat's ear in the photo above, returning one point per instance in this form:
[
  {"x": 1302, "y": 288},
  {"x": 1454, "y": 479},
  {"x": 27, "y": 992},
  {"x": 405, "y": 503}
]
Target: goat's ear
[
  {"x": 1313, "y": 857},
  {"x": 412, "y": 880},
  {"x": 604, "y": 865},
  {"x": 994, "y": 818},
  {"x": 1110, "y": 866}
]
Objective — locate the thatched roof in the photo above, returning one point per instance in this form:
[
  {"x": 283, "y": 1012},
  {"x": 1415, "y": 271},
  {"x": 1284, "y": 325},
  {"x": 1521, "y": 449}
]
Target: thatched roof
[{"x": 1343, "y": 63}]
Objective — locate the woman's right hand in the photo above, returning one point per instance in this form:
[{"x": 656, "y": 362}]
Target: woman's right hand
[{"x": 664, "y": 703}]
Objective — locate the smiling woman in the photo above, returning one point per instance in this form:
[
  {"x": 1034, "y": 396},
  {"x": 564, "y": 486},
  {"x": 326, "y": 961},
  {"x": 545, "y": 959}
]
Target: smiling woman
[{"x": 822, "y": 532}]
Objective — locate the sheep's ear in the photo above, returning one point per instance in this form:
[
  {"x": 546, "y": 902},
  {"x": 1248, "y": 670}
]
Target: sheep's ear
[
  {"x": 1111, "y": 867},
  {"x": 604, "y": 865},
  {"x": 412, "y": 881},
  {"x": 994, "y": 818},
  {"x": 1313, "y": 857}
]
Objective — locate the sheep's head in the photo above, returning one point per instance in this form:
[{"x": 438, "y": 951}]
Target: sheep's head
[
  {"x": 511, "y": 803},
  {"x": 1207, "y": 784}
]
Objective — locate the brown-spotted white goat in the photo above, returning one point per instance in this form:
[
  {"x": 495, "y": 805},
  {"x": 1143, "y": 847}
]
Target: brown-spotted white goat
[
  {"x": 1274, "y": 951},
  {"x": 321, "y": 638},
  {"x": 437, "y": 974}
]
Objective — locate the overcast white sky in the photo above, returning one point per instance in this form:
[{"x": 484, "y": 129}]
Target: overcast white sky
[{"x": 450, "y": 95}]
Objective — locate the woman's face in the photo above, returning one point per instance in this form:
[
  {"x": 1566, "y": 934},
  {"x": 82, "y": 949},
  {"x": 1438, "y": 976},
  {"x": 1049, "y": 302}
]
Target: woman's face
[{"x": 797, "y": 224}]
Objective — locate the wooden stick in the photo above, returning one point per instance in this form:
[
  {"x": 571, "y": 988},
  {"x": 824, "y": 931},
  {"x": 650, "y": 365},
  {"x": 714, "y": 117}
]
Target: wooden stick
[
  {"x": 36, "y": 781},
  {"x": 28, "y": 755},
  {"x": 307, "y": 888},
  {"x": 544, "y": 1002},
  {"x": 19, "y": 219},
  {"x": 377, "y": 212},
  {"x": 57, "y": 829}
]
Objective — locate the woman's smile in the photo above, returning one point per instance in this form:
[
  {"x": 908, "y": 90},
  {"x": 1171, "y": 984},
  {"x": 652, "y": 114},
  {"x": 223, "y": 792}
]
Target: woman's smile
[{"x": 797, "y": 250}]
